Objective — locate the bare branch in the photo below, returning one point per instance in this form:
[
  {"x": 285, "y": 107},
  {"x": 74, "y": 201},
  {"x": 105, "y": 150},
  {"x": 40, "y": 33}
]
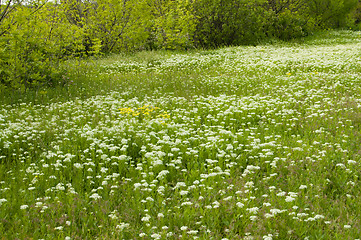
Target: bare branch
[{"x": 5, "y": 11}]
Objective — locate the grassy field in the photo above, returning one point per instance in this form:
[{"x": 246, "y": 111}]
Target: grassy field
[{"x": 244, "y": 142}]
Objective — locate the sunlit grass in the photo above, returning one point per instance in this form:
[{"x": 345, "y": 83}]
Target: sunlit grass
[{"x": 236, "y": 143}]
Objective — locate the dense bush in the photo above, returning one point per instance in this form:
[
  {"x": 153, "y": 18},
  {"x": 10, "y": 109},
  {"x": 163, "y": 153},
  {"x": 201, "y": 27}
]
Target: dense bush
[
  {"x": 356, "y": 17},
  {"x": 332, "y": 13},
  {"x": 229, "y": 22},
  {"x": 288, "y": 24},
  {"x": 173, "y": 24},
  {"x": 234, "y": 22},
  {"x": 115, "y": 25},
  {"x": 32, "y": 48}
]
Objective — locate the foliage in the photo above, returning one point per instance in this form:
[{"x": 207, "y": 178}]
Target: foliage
[
  {"x": 331, "y": 13},
  {"x": 33, "y": 48},
  {"x": 130, "y": 25},
  {"x": 116, "y": 25},
  {"x": 229, "y": 22},
  {"x": 288, "y": 24},
  {"x": 356, "y": 16},
  {"x": 173, "y": 24}
]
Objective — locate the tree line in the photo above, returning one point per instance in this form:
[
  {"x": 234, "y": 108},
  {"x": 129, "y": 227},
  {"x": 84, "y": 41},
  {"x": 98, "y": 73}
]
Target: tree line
[{"x": 36, "y": 36}]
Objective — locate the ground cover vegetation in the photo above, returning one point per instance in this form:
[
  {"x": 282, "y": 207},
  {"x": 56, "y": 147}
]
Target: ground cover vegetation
[
  {"x": 37, "y": 36},
  {"x": 250, "y": 142}
]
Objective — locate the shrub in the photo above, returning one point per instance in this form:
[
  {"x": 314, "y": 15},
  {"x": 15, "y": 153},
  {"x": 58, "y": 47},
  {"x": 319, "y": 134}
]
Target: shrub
[
  {"x": 229, "y": 22},
  {"x": 173, "y": 25},
  {"x": 356, "y": 16},
  {"x": 32, "y": 50},
  {"x": 331, "y": 13},
  {"x": 287, "y": 25}
]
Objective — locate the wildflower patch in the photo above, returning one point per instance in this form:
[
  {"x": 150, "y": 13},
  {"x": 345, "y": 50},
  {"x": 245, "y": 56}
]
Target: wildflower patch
[{"x": 144, "y": 112}]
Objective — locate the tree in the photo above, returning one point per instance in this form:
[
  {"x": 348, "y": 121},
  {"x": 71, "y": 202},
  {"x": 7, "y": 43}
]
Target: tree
[
  {"x": 331, "y": 13},
  {"x": 173, "y": 24},
  {"x": 34, "y": 43},
  {"x": 229, "y": 22}
]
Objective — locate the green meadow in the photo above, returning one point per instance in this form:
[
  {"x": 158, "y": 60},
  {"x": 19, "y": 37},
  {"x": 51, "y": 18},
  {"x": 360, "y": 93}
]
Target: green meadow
[{"x": 249, "y": 142}]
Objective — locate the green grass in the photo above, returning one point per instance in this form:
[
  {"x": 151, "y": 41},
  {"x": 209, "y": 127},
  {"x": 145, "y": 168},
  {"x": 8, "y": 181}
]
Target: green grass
[{"x": 235, "y": 143}]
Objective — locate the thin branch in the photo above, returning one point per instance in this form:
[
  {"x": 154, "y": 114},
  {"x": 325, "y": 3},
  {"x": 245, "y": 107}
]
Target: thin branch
[{"x": 5, "y": 12}]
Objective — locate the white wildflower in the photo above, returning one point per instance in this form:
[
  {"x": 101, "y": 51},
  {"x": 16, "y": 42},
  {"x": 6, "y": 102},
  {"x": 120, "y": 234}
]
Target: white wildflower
[
  {"x": 78, "y": 165},
  {"x": 184, "y": 228},
  {"x": 289, "y": 199},
  {"x": 95, "y": 196}
]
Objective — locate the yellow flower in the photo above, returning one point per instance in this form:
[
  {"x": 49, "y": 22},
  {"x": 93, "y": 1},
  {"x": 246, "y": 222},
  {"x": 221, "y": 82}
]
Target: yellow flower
[{"x": 146, "y": 111}]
